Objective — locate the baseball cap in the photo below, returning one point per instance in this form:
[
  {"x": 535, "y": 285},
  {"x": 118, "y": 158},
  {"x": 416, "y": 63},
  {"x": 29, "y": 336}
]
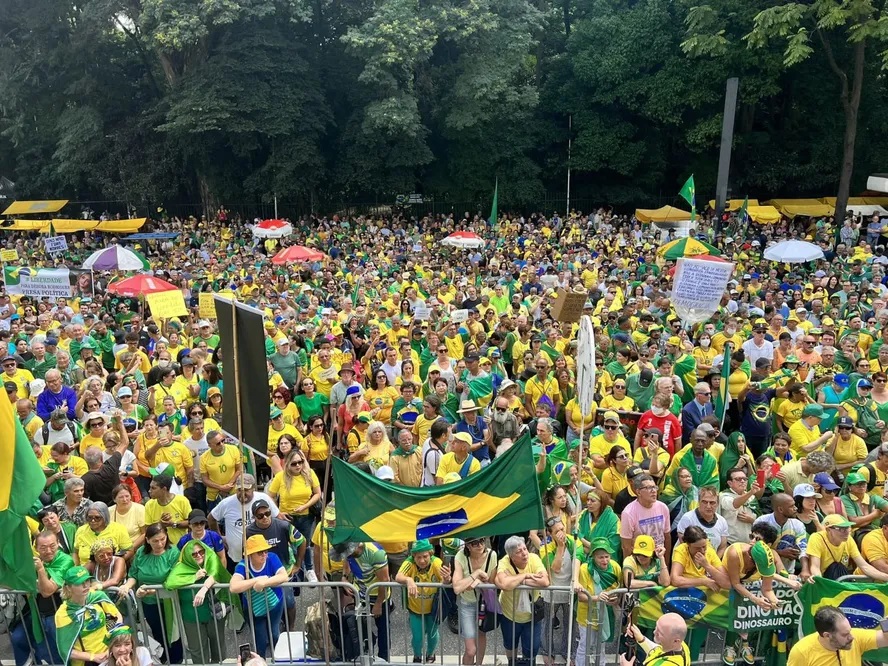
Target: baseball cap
[
  {"x": 611, "y": 416},
  {"x": 257, "y": 505},
  {"x": 600, "y": 543},
  {"x": 385, "y": 473},
  {"x": 124, "y": 391},
  {"x": 203, "y": 323},
  {"x": 842, "y": 379},
  {"x": 763, "y": 557},
  {"x": 196, "y": 517},
  {"x": 644, "y": 545},
  {"x": 76, "y": 576},
  {"x": 825, "y": 481},
  {"x": 845, "y": 422},
  {"x": 864, "y": 383},
  {"x": 805, "y": 490},
  {"x": 812, "y": 410},
  {"x": 854, "y": 478},
  {"x": 674, "y": 340},
  {"x": 835, "y": 520}
]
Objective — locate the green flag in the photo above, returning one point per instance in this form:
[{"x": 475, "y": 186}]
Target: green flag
[
  {"x": 496, "y": 500},
  {"x": 494, "y": 209},
  {"x": 743, "y": 214},
  {"x": 723, "y": 397},
  {"x": 689, "y": 194}
]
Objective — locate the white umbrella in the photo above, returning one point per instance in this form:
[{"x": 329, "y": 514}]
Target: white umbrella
[
  {"x": 793, "y": 252},
  {"x": 272, "y": 229},
  {"x": 117, "y": 258},
  {"x": 464, "y": 239}
]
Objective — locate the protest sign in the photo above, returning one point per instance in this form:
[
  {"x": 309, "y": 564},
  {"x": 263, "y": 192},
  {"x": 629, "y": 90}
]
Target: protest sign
[
  {"x": 746, "y": 617},
  {"x": 37, "y": 282},
  {"x": 698, "y": 288},
  {"x": 206, "y": 305},
  {"x": 55, "y": 244},
  {"x": 568, "y": 305},
  {"x": 459, "y": 316},
  {"x": 167, "y": 304},
  {"x": 421, "y": 312},
  {"x": 9, "y": 255}
]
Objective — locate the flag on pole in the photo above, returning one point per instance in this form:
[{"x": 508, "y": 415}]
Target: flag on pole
[
  {"x": 494, "y": 209},
  {"x": 21, "y": 483},
  {"x": 689, "y": 194},
  {"x": 743, "y": 215},
  {"x": 724, "y": 397}
]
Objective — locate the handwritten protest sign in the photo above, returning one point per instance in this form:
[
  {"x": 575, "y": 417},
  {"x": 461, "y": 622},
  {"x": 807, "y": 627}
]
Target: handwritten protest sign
[
  {"x": 9, "y": 255},
  {"x": 167, "y": 304},
  {"x": 698, "y": 288}
]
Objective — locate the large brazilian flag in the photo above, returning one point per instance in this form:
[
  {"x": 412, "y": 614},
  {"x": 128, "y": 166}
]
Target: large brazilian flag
[
  {"x": 21, "y": 483},
  {"x": 500, "y": 499},
  {"x": 864, "y": 604}
]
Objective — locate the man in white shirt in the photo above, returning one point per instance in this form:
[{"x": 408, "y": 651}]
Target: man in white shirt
[
  {"x": 705, "y": 517},
  {"x": 232, "y": 510},
  {"x": 735, "y": 506},
  {"x": 758, "y": 347}
]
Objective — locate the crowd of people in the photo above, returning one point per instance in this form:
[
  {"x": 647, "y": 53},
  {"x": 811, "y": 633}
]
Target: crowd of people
[{"x": 419, "y": 364}]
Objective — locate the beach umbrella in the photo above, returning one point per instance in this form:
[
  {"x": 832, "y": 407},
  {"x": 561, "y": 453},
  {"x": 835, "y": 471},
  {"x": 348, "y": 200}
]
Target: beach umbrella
[
  {"x": 272, "y": 229},
  {"x": 138, "y": 286},
  {"x": 793, "y": 252},
  {"x": 686, "y": 247},
  {"x": 116, "y": 258},
  {"x": 297, "y": 254},
  {"x": 464, "y": 239}
]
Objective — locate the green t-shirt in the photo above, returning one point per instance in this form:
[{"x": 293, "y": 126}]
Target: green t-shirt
[{"x": 150, "y": 569}]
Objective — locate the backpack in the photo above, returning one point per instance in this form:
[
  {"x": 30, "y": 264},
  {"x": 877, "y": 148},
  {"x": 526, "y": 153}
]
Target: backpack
[
  {"x": 871, "y": 473},
  {"x": 71, "y": 427}
]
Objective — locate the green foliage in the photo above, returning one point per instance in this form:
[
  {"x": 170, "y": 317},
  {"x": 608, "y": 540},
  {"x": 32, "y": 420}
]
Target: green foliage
[{"x": 323, "y": 102}]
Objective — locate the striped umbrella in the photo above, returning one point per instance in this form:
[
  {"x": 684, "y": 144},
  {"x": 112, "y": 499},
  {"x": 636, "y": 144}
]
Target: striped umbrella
[{"x": 116, "y": 258}]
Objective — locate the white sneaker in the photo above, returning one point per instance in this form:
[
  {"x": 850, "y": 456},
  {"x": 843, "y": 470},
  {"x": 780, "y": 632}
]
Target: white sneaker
[{"x": 310, "y": 576}]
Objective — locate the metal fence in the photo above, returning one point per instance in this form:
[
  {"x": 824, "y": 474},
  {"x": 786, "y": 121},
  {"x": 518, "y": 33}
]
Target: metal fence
[{"x": 340, "y": 623}]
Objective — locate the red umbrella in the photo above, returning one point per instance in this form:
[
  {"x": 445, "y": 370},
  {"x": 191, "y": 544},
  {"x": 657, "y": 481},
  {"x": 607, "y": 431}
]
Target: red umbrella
[
  {"x": 139, "y": 286},
  {"x": 702, "y": 257},
  {"x": 297, "y": 254}
]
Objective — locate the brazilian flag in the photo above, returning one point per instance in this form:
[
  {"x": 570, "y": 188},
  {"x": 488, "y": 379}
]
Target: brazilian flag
[
  {"x": 496, "y": 500},
  {"x": 864, "y": 604},
  {"x": 480, "y": 389},
  {"x": 720, "y": 406}
]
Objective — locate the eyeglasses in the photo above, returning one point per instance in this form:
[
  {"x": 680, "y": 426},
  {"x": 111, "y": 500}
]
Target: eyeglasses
[
  {"x": 622, "y": 456},
  {"x": 619, "y": 386},
  {"x": 443, "y": 350},
  {"x": 263, "y": 515},
  {"x": 646, "y": 488},
  {"x": 502, "y": 409},
  {"x": 740, "y": 478},
  {"x": 94, "y": 518},
  {"x": 278, "y": 397},
  {"x": 705, "y": 393},
  {"x": 475, "y": 542}
]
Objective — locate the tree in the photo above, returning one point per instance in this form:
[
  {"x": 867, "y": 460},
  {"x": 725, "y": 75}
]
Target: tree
[{"x": 841, "y": 30}]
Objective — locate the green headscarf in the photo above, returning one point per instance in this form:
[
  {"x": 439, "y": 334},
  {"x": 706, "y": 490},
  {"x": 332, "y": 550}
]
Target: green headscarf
[
  {"x": 185, "y": 571},
  {"x": 730, "y": 457},
  {"x": 673, "y": 496},
  {"x": 603, "y": 528}
]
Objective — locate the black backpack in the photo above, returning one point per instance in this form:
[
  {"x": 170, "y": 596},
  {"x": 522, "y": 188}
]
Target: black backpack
[{"x": 71, "y": 427}]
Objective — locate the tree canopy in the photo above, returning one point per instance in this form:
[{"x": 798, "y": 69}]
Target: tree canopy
[{"x": 323, "y": 101}]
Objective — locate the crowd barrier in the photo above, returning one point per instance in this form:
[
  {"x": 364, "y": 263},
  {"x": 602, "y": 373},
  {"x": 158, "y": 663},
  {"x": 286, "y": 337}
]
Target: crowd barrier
[{"x": 333, "y": 623}]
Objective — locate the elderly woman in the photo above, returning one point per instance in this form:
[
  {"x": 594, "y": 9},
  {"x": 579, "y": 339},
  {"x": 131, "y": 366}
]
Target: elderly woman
[
  {"x": 83, "y": 619},
  {"x": 108, "y": 569},
  {"x": 519, "y": 567},
  {"x": 63, "y": 466},
  {"x": 72, "y": 507},
  {"x": 376, "y": 450},
  {"x": 99, "y": 527}
]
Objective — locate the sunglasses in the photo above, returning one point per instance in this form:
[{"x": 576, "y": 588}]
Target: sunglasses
[
  {"x": 611, "y": 427},
  {"x": 296, "y": 463},
  {"x": 318, "y": 425},
  {"x": 263, "y": 515}
]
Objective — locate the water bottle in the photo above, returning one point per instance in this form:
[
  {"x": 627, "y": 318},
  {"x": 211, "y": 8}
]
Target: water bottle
[{"x": 482, "y": 611}]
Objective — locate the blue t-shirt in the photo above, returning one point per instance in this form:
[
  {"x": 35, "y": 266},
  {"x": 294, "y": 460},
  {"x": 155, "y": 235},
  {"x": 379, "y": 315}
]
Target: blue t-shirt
[
  {"x": 268, "y": 598},
  {"x": 755, "y": 420},
  {"x": 210, "y": 538},
  {"x": 477, "y": 433}
]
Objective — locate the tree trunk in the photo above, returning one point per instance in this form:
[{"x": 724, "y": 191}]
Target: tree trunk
[
  {"x": 207, "y": 199},
  {"x": 851, "y": 106}
]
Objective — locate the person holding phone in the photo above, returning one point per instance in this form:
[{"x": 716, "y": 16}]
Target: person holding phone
[{"x": 738, "y": 505}]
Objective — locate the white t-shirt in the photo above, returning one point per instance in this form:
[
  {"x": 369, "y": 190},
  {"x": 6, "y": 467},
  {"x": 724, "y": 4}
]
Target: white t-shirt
[
  {"x": 716, "y": 534},
  {"x": 229, "y": 510},
  {"x": 63, "y": 435},
  {"x": 738, "y": 531},
  {"x": 197, "y": 446}
]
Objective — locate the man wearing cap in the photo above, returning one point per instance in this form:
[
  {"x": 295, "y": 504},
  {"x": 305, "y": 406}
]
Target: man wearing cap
[
  {"x": 611, "y": 435},
  {"x": 459, "y": 459},
  {"x": 847, "y": 448},
  {"x": 422, "y": 567},
  {"x": 20, "y": 377},
  {"x": 229, "y": 511},
  {"x": 58, "y": 428},
  {"x": 206, "y": 335},
  {"x": 341, "y": 390},
  {"x": 804, "y": 435},
  {"x": 832, "y": 551},
  {"x": 286, "y": 362}
]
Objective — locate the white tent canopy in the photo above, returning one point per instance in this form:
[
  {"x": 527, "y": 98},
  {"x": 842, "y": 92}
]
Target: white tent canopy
[{"x": 867, "y": 211}]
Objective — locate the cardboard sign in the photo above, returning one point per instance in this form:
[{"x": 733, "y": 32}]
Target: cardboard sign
[
  {"x": 568, "y": 305},
  {"x": 206, "y": 305},
  {"x": 459, "y": 316},
  {"x": 698, "y": 288},
  {"x": 55, "y": 244},
  {"x": 421, "y": 312},
  {"x": 167, "y": 304},
  {"x": 9, "y": 255}
]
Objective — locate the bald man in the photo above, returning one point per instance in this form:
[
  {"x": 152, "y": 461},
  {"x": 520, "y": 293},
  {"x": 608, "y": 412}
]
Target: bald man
[{"x": 668, "y": 647}]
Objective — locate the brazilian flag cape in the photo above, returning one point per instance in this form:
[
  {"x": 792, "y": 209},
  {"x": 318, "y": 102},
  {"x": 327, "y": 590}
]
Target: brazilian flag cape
[
  {"x": 686, "y": 369},
  {"x": 496, "y": 500},
  {"x": 74, "y": 620},
  {"x": 480, "y": 389}
]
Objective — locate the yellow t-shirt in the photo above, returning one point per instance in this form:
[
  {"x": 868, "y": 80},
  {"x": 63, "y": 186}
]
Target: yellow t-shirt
[
  {"x": 324, "y": 378},
  {"x": 177, "y": 392},
  {"x": 422, "y": 603},
  {"x": 449, "y": 463},
  {"x": 319, "y": 538},
  {"x": 683, "y": 556},
  {"x": 220, "y": 469},
  {"x": 22, "y": 380},
  {"x": 535, "y": 389},
  {"x": 790, "y": 412},
  {"x": 421, "y": 428},
  {"x": 33, "y": 426},
  {"x": 315, "y": 447},
  {"x": 585, "y": 580},
  {"x": 800, "y": 435},
  {"x": 875, "y": 546},
  {"x": 133, "y": 521},
  {"x": 574, "y": 412},
  {"x": 508, "y": 598},
  {"x": 275, "y": 435},
  {"x": 296, "y": 495},
  {"x": 291, "y": 413},
  {"x": 809, "y": 651},
  {"x": 600, "y": 446},
  {"x": 116, "y": 533},
  {"x": 627, "y": 404},
  {"x": 178, "y": 508},
  {"x": 851, "y": 451},
  {"x": 383, "y": 400},
  {"x": 88, "y": 441},
  {"x": 819, "y": 546},
  {"x": 178, "y": 455},
  {"x": 92, "y": 637},
  {"x": 612, "y": 482}
]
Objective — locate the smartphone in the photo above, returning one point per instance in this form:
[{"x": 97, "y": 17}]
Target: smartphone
[
  {"x": 883, "y": 625},
  {"x": 760, "y": 478},
  {"x": 245, "y": 650}
]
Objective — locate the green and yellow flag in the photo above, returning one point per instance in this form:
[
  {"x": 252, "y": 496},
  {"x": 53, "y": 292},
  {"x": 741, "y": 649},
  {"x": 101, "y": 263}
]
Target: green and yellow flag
[
  {"x": 496, "y": 500},
  {"x": 689, "y": 193},
  {"x": 864, "y": 604},
  {"x": 21, "y": 483},
  {"x": 720, "y": 403}
]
